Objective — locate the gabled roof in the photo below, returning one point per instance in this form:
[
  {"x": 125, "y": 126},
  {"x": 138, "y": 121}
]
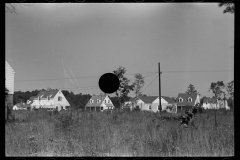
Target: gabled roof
[
  {"x": 44, "y": 94},
  {"x": 209, "y": 100},
  {"x": 168, "y": 99},
  {"x": 31, "y": 99},
  {"x": 95, "y": 98},
  {"x": 185, "y": 97},
  {"x": 6, "y": 63},
  {"x": 148, "y": 99}
]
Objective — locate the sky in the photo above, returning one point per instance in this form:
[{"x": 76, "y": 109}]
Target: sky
[{"x": 69, "y": 46}]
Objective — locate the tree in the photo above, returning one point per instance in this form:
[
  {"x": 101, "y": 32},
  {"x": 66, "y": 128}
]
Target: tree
[
  {"x": 191, "y": 89},
  {"x": 230, "y": 7},
  {"x": 138, "y": 84},
  {"x": 201, "y": 100},
  {"x": 124, "y": 87},
  {"x": 216, "y": 88},
  {"x": 230, "y": 90}
]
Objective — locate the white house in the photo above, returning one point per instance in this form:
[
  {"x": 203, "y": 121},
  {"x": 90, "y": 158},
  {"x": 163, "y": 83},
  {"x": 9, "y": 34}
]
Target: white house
[
  {"x": 99, "y": 103},
  {"x": 9, "y": 81},
  {"x": 52, "y": 99},
  {"x": 147, "y": 103},
  {"x": 213, "y": 103},
  {"x": 151, "y": 103},
  {"x": 186, "y": 101}
]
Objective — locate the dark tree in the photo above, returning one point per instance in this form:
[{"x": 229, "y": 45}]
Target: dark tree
[
  {"x": 216, "y": 88},
  {"x": 201, "y": 100},
  {"x": 230, "y": 7},
  {"x": 124, "y": 87},
  {"x": 191, "y": 89}
]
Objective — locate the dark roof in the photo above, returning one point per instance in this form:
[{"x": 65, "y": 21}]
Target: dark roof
[
  {"x": 31, "y": 99},
  {"x": 209, "y": 100},
  {"x": 148, "y": 99},
  {"x": 95, "y": 98},
  {"x": 45, "y": 93},
  {"x": 185, "y": 97},
  {"x": 168, "y": 99}
]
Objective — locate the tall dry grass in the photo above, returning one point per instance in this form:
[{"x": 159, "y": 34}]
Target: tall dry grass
[{"x": 138, "y": 133}]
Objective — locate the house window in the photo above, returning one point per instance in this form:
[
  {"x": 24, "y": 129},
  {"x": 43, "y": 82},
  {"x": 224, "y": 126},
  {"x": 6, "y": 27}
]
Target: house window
[
  {"x": 91, "y": 101},
  {"x": 59, "y": 98},
  {"x": 189, "y": 99},
  {"x": 101, "y": 108},
  {"x": 149, "y": 107},
  {"x": 180, "y": 99},
  {"x": 105, "y": 101},
  {"x": 108, "y": 101}
]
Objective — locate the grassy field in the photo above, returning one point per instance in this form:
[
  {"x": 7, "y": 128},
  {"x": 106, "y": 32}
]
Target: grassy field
[{"x": 36, "y": 133}]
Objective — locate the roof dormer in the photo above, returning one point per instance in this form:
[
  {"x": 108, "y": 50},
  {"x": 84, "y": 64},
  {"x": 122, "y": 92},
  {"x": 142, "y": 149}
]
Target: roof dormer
[
  {"x": 189, "y": 99},
  {"x": 98, "y": 101},
  {"x": 91, "y": 101},
  {"x": 180, "y": 99}
]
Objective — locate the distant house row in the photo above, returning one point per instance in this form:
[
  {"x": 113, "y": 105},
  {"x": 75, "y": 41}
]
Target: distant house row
[
  {"x": 213, "y": 103},
  {"x": 183, "y": 101},
  {"x": 151, "y": 103},
  {"x": 54, "y": 99}
]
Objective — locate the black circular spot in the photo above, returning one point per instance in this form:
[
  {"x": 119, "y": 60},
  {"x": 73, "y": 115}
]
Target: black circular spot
[{"x": 108, "y": 83}]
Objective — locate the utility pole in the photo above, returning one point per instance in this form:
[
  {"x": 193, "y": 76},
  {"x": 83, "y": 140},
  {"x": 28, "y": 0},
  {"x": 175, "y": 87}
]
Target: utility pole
[{"x": 160, "y": 104}]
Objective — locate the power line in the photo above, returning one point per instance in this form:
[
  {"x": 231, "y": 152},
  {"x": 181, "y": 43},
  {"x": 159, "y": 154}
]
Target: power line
[
  {"x": 86, "y": 88},
  {"x": 198, "y": 71},
  {"x": 149, "y": 84},
  {"x": 49, "y": 79},
  {"x": 149, "y": 75}
]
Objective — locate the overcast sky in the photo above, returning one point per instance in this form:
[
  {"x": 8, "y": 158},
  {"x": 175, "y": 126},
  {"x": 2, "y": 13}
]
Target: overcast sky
[{"x": 93, "y": 39}]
